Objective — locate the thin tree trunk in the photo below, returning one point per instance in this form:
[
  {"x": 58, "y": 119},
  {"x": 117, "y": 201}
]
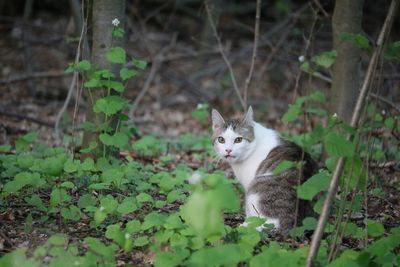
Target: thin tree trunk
[
  {"x": 103, "y": 12},
  {"x": 347, "y": 17}
]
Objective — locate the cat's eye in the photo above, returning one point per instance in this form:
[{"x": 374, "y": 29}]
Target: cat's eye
[
  {"x": 238, "y": 139},
  {"x": 221, "y": 140}
]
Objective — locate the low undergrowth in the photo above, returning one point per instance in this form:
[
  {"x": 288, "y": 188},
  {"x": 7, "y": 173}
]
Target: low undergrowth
[{"x": 141, "y": 210}]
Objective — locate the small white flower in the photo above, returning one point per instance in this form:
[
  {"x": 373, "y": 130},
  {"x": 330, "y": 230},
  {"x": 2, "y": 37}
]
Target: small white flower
[
  {"x": 335, "y": 115},
  {"x": 302, "y": 58},
  {"x": 195, "y": 177},
  {"x": 115, "y": 22},
  {"x": 102, "y": 208},
  {"x": 383, "y": 112},
  {"x": 200, "y": 105},
  {"x": 127, "y": 236}
]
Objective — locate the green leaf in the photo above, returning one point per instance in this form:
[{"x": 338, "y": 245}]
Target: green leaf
[
  {"x": 337, "y": 145},
  {"x": 144, "y": 197},
  {"x": 171, "y": 258},
  {"x": 67, "y": 184},
  {"x": 357, "y": 39},
  {"x": 133, "y": 226},
  {"x": 5, "y": 148},
  {"x": 374, "y": 228},
  {"x": 174, "y": 196},
  {"x": 126, "y": 73},
  {"x": 58, "y": 195},
  {"x": 118, "y": 140},
  {"x": 108, "y": 252},
  {"x": 18, "y": 258},
  {"x": 91, "y": 147},
  {"x": 325, "y": 59},
  {"x": 292, "y": 113},
  {"x": 93, "y": 82},
  {"x": 153, "y": 219},
  {"x": 114, "y": 232},
  {"x": 140, "y": 64},
  {"x": 116, "y": 55},
  {"x": 108, "y": 204},
  {"x": 317, "y": 111},
  {"x": 283, "y": 166},
  {"x": 30, "y": 137},
  {"x": 202, "y": 213},
  {"x": 127, "y": 206},
  {"x": 315, "y": 184},
  {"x": 109, "y": 105},
  {"x": 72, "y": 213},
  {"x": 36, "y": 201},
  {"x": 141, "y": 241},
  {"x": 88, "y": 165},
  {"x": 317, "y": 96},
  {"x": 21, "y": 180},
  {"x": 115, "y": 85},
  {"x": 223, "y": 255}
]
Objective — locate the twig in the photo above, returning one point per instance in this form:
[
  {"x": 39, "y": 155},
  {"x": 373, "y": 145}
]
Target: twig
[
  {"x": 380, "y": 98},
  {"x": 254, "y": 56},
  {"x": 315, "y": 243},
  {"x": 35, "y": 75},
  {"x": 386, "y": 101},
  {"x": 305, "y": 52},
  {"x": 318, "y": 4},
  {"x": 221, "y": 49},
  {"x": 71, "y": 87},
  {"x": 158, "y": 59}
]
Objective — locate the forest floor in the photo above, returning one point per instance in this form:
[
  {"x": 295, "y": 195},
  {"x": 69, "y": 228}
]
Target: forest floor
[{"x": 31, "y": 104}]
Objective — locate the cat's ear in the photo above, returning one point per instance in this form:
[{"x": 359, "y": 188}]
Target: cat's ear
[
  {"x": 248, "y": 119},
  {"x": 217, "y": 120}
]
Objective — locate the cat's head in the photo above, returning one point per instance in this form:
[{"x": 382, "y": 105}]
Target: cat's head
[{"x": 233, "y": 139}]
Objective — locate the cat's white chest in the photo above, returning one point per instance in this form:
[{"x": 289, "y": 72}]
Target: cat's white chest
[{"x": 265, "y": 141}]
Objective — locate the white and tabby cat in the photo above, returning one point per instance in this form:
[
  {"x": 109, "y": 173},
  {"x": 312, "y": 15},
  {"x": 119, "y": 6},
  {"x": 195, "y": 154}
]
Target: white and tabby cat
[{"x": 253, "y": 151}]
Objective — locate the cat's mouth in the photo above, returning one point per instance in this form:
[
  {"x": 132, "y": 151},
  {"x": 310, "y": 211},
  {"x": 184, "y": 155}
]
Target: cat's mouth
[{"x": 229, "y": 156}]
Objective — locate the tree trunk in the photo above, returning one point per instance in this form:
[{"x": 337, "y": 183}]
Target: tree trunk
[
  {"x": 103, "y": 12},
  {"x": 347, "y": 17}
]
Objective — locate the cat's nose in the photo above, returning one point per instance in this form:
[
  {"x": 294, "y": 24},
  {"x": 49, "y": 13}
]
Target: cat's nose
[{"x": 228, "y": 150}]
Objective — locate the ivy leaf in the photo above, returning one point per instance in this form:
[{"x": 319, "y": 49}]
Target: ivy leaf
[
  {"x": 336, "y": 145},
  {"x": 126, "y": 73},
  {"x": 116, "y": 55},
  {"x": 109, "y": 105}
]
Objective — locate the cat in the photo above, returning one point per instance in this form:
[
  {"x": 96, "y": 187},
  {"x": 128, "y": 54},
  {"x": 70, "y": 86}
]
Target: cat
[{"x": 254, "y": 151}]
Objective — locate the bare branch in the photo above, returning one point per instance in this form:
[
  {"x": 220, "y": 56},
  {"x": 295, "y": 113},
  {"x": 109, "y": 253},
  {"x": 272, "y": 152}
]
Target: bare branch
[
  {"x": 254, "y": 56},
  {"x": 221, "y": 49}
]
